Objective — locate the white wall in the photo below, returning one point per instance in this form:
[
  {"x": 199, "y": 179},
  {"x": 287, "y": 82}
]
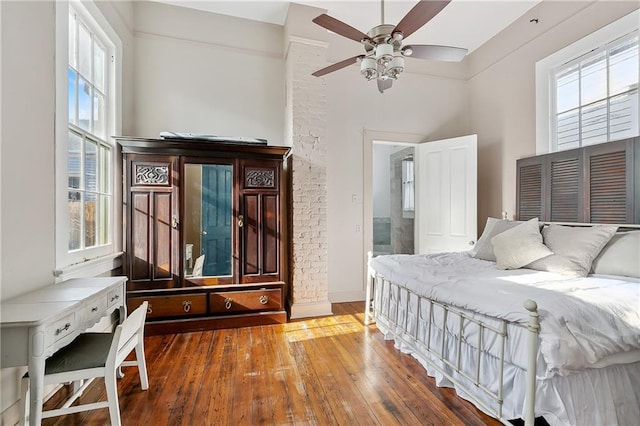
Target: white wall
[
  {"x": 381, "y": 185},
  {"x": 27, "y": 128},
  {"x": 27, "y": 151},
  {"x": 200, "y": 72},
  {"x": 382, "y": 180},
  {"x": 435, "y": 107},
  {"x": 502, "y": 90}
]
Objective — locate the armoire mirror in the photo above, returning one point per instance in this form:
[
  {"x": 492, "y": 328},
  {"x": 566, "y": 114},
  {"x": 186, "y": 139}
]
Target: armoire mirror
[{"x": 208, "y": 219}]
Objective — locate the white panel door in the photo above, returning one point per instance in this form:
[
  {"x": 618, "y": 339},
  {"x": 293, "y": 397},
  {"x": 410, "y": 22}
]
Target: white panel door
[{"x": 446, "y": 195}]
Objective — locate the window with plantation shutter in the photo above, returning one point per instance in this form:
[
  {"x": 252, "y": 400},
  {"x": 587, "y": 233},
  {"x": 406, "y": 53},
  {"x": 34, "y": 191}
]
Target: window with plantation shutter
[
  {"x": 609, "y": 184},
  {"x": 593, "y": 184},
  {"x": 529, "y": 196},
  {"x": 565, "y": 189}
]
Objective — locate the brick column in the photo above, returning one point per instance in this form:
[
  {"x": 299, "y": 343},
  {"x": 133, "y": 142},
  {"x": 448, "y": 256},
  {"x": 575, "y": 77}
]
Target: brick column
[{"x": 306, "y": 129}]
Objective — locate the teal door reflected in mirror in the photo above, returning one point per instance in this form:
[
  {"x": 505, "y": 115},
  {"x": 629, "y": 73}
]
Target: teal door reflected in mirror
[{"x": 209, "y": 214}]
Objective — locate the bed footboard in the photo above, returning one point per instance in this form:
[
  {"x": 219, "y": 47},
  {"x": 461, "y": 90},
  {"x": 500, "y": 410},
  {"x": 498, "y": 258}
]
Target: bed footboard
[{"x": 431, "y": 349}]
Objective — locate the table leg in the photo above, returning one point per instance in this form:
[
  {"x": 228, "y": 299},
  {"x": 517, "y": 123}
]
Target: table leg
[
  {"x": 123, "y": 315},
  {"x": 36, "y": 389}
]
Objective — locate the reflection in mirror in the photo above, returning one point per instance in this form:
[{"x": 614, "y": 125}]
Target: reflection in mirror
[{"x": 208, "y": 218}]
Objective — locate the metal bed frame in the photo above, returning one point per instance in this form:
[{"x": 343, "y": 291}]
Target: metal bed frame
[{"x": 432, "y": 353}]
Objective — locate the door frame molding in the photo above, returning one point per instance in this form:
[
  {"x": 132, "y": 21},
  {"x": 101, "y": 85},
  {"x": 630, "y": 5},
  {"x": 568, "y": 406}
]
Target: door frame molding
[{"x": 369, "y": 137}]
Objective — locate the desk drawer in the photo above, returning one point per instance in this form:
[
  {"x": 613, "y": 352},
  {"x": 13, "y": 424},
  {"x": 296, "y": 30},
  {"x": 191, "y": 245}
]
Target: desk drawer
[
  {"x": 62, "y": 328},
  {"x": 171, "y": 306},
  {"x": 94, "y": 310},
  {"x": 114, "y": 297},
  {"x": 247, "y": 300}
]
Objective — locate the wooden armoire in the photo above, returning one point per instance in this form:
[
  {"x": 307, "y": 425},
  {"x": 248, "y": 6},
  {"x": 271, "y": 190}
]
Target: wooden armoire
[{"x": 205, "y": 232}]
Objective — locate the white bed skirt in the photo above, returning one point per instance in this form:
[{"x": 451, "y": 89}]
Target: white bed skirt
[{"x": 603, "y": 396}]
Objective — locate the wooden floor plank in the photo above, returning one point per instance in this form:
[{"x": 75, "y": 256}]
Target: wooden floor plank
[
  {"x": 322, "y": 371},
  {"x": 262, "y": 365},
  {"x": 214, "y": 397},
  {"x": 242, "y": 408},
  {"x": 299, "y": 411}
]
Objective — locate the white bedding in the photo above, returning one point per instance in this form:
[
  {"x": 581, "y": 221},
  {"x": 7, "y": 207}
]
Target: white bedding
[{"x": 585, "y": 322}]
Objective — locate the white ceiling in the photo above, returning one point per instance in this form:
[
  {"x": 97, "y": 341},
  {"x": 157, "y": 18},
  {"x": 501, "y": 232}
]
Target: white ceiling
[{"x": 463, "y": 23}]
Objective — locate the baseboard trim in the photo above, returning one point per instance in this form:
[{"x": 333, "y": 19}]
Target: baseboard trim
[
  {"x": 347, "y": 296},
  {"x": 308, "y": 310}
]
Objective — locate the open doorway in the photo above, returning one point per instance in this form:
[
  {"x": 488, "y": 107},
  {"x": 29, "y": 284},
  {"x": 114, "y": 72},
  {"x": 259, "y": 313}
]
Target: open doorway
[{"x": 393, "y": 197}]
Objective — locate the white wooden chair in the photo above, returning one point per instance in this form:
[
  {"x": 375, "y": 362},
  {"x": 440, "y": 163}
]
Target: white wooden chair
[
  {"x": 198, "y": 266},
  {"x": 93, "y": 355}
]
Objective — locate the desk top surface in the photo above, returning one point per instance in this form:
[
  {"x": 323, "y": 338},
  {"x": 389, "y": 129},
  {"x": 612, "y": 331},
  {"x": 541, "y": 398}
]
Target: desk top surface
[{"x": 39, "y": 305}]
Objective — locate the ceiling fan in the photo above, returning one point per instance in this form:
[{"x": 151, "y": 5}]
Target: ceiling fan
[{"x": 384, "y": 52}]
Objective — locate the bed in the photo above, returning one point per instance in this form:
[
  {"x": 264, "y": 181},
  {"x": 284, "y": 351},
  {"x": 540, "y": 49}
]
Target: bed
[{"x": 557, "y": 337}]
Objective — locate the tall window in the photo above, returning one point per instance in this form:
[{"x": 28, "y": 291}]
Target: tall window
[
  {"x": 88, "y": 152},
  {"x": 88, "y": 53},
  {"x": 596, "y": 96}
]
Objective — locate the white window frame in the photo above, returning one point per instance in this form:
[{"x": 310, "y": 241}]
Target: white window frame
[
  {"x": 408, "y": 188},
  {"x": 603, "y": 50},
  {"x": 98, "y": 259},
  {"x": 545, "y": 84}
]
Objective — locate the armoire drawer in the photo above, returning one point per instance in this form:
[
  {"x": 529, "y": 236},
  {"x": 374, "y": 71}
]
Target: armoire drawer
[
  {"x": 171, "y": 306},
  {"x": 247, "y": 300}
]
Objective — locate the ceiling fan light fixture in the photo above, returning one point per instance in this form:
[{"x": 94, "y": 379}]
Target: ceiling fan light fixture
[
  {"x": 384, "y": 54},
  {"x": 383, "y": 59},
  {"x": 368, "y": 68},
  {"x": 395, "y": 67}
]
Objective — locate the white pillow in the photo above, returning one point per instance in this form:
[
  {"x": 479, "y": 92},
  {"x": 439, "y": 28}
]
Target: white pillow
[
  {"x": 621, "y": 256},
  {"x": 574, "y": 248},
  {"x": 519, "y": 245},
  {"x": 483, "y": 248}
]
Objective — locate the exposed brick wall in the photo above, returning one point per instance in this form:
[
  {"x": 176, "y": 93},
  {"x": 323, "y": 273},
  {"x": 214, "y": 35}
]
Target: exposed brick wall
[{"x": 307, "y": 128}]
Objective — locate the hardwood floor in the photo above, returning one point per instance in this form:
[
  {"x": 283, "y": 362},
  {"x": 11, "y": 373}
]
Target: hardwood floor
[{"x": 323, "y": 371}]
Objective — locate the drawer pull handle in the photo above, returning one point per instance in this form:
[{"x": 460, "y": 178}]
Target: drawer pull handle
[
  {"x": 149, "y": 310},
  {"x": 116, "y": 297},
  {"x": 227, "y": 303},
  {"x": 94, "y": 309},
  {"x": 186, "y": 305},
  {"x": 61, "y": 329},
  {"x": 264, "y": 299}
]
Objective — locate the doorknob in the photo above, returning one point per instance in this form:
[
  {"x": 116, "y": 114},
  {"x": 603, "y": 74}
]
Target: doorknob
[
  {"x": 240, "y": 221},
  {"x": 174, "y": 222},
  {"x": 204, "y": 232}
]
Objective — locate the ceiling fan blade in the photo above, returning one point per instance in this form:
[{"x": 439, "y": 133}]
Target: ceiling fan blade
[
  {"x": 339, "y": 27},
  {"x": 421, "y": 13},
  {"x": 384, "y": 84},
  {"x": 437, "y": 53},
  {"x": 337, "y": 66}
]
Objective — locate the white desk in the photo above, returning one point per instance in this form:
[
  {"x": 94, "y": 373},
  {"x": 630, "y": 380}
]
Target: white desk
[{"x": 37, "y": 324}]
